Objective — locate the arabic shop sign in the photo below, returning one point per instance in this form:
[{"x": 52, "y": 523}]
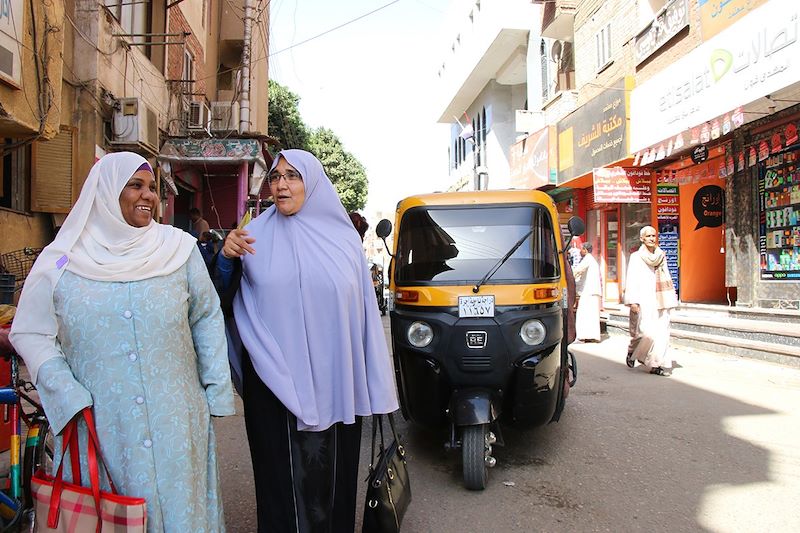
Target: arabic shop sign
[
  {"x": 617, "y": 185},
  {"x": 530, "y": 162},
  {"x": 752, "y": 58},
  {"x": 708, "y": 206},
  {"x": 716, "y": 15},
  {"x": 211, "y": 150},
  {"x": 672, "y": 18},
  {"x": 594, "y": 135}
]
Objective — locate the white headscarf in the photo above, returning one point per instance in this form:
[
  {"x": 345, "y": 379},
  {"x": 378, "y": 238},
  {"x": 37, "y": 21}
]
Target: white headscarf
[{"x": 96, "y": 243}]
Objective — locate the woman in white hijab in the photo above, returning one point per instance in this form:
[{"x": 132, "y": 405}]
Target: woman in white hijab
[{"x": 118, "y": 313}]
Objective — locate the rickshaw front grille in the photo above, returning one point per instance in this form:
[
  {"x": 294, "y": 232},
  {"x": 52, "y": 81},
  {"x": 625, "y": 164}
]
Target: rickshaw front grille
[{"x": 476, "y": 362}]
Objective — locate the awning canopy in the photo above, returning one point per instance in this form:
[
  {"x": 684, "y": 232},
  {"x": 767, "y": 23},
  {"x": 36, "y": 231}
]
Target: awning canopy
[{"x": 210, "y": 151}]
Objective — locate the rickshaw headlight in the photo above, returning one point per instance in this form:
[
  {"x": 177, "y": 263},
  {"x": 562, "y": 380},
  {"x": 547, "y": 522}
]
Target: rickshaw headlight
[
  {"x": 532, "y": 332},
  {"x": 420, "y": 334}
]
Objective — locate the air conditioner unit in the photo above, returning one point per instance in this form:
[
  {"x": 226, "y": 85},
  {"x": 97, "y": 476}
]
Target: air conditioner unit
[
  {"x": 134, "y": 122},
  {"x": 225, "y": 116},
  {"x": 198, "y": 116}
]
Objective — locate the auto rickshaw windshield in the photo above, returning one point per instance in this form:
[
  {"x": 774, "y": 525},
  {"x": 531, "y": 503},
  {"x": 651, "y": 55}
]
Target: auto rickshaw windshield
[{"x": 459, "y": 245}]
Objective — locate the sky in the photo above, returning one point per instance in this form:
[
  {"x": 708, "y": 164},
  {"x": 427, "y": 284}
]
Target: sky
[{"x": 372, "y": 82}]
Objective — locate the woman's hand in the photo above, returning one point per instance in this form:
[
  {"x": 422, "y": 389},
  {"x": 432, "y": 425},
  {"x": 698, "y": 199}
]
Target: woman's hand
[{"x": 237, "y": 243}]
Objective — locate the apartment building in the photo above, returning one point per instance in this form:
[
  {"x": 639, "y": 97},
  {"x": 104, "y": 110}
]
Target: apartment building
[{"x": 181, "y": 82}]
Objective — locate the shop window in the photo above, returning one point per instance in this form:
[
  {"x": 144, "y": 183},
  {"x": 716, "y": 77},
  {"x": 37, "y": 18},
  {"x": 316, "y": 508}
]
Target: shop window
[
  {"x": 779, "y": 203},
  {"x": 13, "y": 178}
]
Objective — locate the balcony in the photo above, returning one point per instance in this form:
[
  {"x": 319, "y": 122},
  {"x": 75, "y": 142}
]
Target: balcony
[
  {"x": 559, "y": 20},
  {"x": 490, "y": 45}
]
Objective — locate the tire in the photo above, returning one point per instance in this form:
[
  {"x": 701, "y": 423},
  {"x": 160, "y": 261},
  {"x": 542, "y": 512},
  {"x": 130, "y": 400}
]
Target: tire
[
  {"x": 473, "y": 456},
  {"x": 38, "y": 454}
]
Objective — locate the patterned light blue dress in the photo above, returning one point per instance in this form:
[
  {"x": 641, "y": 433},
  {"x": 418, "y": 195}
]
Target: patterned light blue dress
[{"x": 150, "y": 356}]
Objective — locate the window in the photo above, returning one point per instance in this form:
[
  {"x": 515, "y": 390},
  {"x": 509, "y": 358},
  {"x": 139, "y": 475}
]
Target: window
[
  {"x": 460, "y": 245},
  {"x": 545, "y": 69},
  {"x": 603, "y": 43},
  {"x": 187, "y": 75},
  {"x": 13, "y": 177},
  {"x": 132, "y": 16}
]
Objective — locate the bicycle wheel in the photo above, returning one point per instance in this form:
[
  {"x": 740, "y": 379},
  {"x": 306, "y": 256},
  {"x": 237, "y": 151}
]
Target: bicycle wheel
[{"x": 39, "y": 449}]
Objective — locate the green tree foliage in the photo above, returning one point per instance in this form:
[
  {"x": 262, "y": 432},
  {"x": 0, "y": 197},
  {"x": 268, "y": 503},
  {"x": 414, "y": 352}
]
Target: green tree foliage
[
  {"x": 343, "y": 168},
  {"x": 285, "y": 123}
]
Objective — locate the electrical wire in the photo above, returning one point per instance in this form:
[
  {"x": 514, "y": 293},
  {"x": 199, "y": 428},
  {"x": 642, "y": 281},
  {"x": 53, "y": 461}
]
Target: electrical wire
[{"x": 335, "y": 28}]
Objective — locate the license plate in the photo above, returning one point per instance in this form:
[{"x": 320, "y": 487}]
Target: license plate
[{"x": 475, "y": 306}]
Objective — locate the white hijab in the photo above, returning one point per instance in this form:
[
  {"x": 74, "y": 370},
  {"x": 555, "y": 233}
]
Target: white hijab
[{"x": 96, "y": 243}]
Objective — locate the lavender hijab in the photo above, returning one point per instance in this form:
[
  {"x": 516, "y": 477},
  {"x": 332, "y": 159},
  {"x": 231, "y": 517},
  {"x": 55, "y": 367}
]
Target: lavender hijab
[{"x": 306, "y": 310}]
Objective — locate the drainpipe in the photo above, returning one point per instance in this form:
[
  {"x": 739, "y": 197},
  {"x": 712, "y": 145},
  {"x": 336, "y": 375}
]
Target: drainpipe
[{"x": 244, "y": 99}]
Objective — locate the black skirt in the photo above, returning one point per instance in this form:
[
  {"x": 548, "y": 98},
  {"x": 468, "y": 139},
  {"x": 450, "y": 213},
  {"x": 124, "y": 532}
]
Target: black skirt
[{"x": 306, "y": 481}]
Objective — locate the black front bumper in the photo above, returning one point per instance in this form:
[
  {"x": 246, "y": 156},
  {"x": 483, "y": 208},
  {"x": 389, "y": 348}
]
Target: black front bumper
[{"x": 523, "y": 380}]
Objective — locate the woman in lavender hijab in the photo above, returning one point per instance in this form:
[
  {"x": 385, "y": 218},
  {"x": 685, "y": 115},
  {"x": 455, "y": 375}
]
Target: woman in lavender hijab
[{"x": 308, "y": 348}]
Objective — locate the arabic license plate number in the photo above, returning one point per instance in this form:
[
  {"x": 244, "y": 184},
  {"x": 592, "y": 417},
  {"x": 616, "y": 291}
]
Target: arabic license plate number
[{"x": 475, "y": 306}]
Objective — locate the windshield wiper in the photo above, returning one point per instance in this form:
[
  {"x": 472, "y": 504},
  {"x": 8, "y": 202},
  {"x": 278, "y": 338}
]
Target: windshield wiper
[{"x": 502, "y": 261}]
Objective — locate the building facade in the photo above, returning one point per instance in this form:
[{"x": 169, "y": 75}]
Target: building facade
[
  {"x": 183, "y": 83},
  {"x": 680, "y": 114}
]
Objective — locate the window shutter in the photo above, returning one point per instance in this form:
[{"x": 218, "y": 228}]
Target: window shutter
[{"x": 52, "y": 173}]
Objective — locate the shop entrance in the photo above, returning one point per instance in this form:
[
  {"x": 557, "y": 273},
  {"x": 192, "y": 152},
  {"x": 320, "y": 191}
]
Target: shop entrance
[{"x": 702, "y": 234}]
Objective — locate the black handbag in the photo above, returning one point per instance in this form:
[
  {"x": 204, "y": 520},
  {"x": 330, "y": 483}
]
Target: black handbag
[{"x": 388, "y": 487}]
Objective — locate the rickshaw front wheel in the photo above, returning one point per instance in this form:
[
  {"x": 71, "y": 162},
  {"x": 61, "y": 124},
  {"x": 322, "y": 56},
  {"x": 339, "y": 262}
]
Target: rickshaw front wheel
[{"x": 474, "y": 453}]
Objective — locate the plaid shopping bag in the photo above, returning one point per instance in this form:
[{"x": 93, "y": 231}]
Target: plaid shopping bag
[{"x": 71, "y": 508}]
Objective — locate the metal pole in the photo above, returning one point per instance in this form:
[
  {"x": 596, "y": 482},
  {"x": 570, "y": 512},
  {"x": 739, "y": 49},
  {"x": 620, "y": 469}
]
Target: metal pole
[{"x": 244, "y": 99}]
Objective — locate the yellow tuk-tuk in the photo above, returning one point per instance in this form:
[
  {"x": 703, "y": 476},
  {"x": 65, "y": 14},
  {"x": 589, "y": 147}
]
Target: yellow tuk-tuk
[{"x": 480, "y": 315}]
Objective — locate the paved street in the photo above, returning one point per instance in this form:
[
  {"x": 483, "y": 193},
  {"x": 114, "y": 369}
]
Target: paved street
[{"x": 713, "y": 448}]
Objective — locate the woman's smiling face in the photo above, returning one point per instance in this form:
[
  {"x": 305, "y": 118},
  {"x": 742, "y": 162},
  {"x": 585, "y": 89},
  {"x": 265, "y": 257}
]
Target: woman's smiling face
[
  {"x": 138, "y": 199},
  {"x": 287, "y": 188}
]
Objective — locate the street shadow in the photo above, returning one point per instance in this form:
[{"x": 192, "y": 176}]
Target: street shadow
[{"x": 632, "y": 452}]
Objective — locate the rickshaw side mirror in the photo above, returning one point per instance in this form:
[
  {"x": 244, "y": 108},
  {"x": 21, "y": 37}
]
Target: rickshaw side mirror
[
  {"x": 383, "y": 229},
  {"x": 576, "y": 227}
]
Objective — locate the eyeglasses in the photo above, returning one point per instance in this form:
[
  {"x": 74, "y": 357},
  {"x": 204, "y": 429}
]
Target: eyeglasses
[{"x": 290, "y": 176}]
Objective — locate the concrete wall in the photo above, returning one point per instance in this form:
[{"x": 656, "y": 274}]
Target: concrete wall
[
  {"x": 591, "y": 16},
  {"x": 19, "y": 111}
]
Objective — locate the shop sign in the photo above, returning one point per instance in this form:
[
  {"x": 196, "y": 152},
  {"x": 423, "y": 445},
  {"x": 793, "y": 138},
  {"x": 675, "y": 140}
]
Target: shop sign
[
  {"x": 716, "y": 15},
  {"x": 617, "y": 185},
  {"x": 212, "y": 150},
  {"x": 672, "y": 18},
  {"x": 699, "y": 154},
  {"x": 595, "y": 134},
  {"x": 529, "y": 161},
  {"x": 707, "y": 205},
  {"x": 667, "y": 218},
  {"x": 754, "y": 57},
  {"x": 11, "y": 18}
]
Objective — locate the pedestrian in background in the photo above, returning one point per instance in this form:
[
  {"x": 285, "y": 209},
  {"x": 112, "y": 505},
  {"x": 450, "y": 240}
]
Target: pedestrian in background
[
  {"x": 589, "y": 291},
  {"x": 360, "y": 223},
  {"x": 575, "y": 252},
  {"x": 119, "y": 314},
  {"x": 308, "y": 341},
  {"x": 206, "y": 245},
  {"x": 650, "y": 294},
  {"x": 199, "y": 224}
]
